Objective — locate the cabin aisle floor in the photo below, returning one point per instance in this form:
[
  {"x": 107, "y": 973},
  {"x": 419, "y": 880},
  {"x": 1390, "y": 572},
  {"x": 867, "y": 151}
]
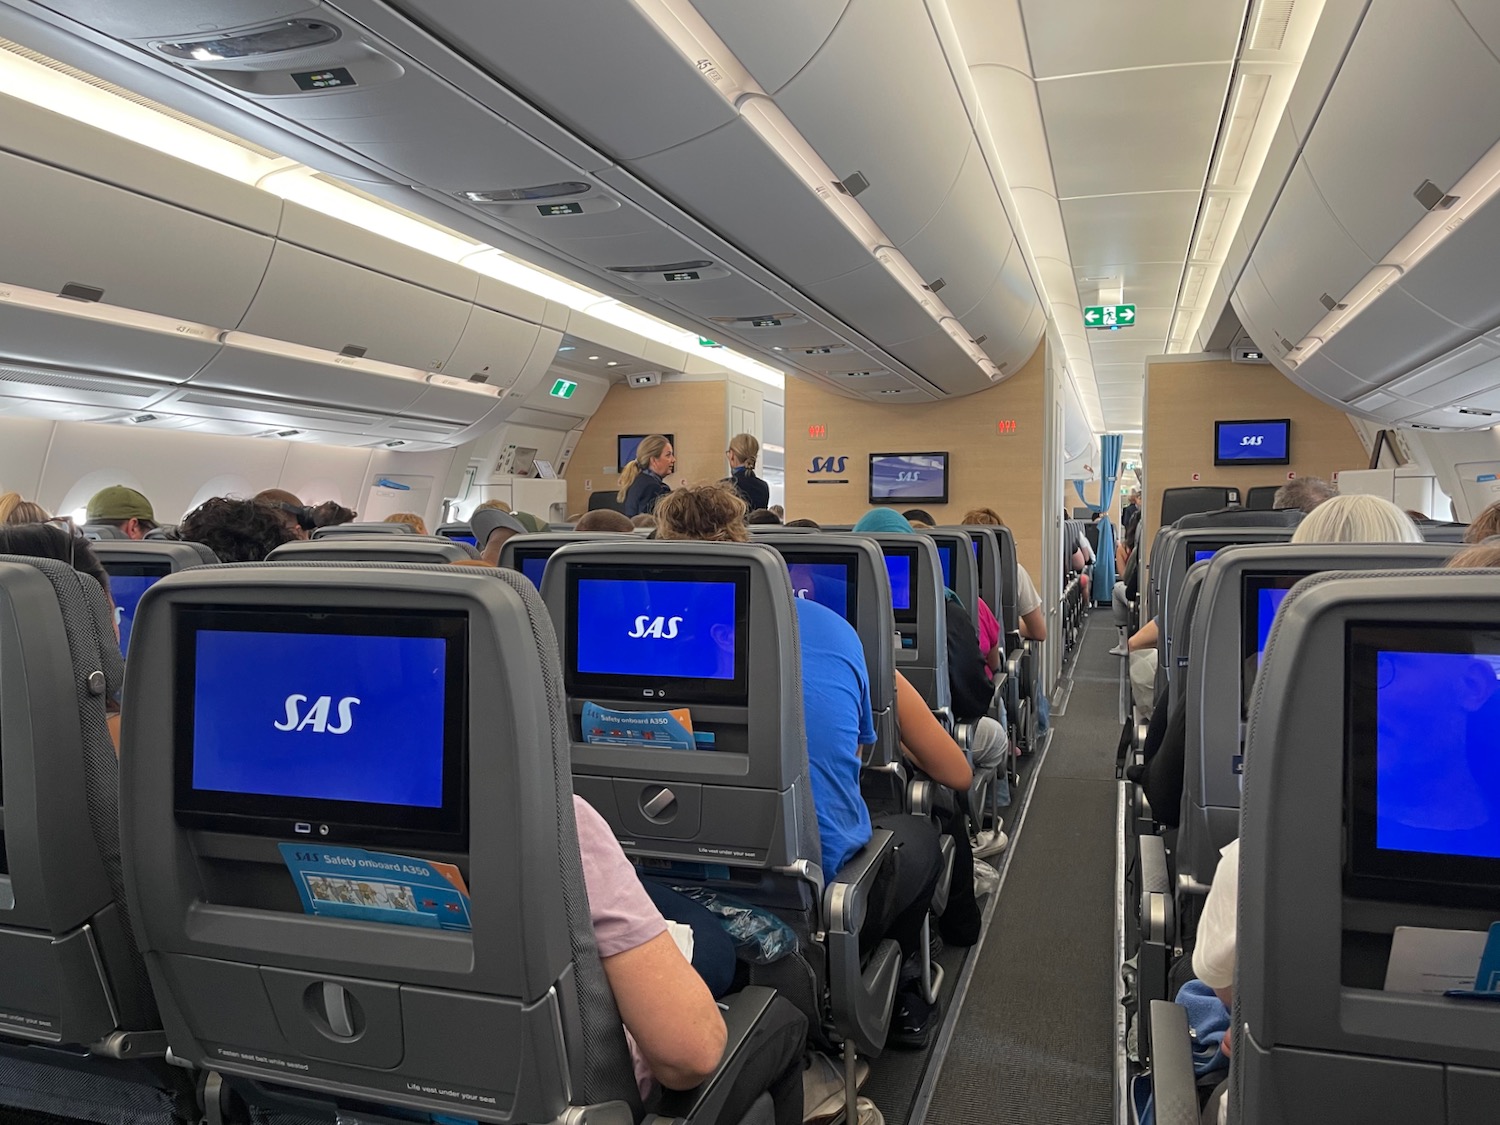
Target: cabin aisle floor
[{"x": 1033, "y": 1041}]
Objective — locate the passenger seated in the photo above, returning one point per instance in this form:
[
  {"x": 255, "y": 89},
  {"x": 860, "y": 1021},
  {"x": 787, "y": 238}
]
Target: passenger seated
[
  {"x": 13, "y": 509},
  {"x": 123, "y": 508},
  {"x": 606, "y": 519},
  {"x": 676, "y": 1034},
  {"x": 1303, "y": 493},
  {"x": 239, "y": 530},
  {"x": 492, "y": 527},
  {"x": 1486, "y": 524},
  {"x": 411, "y": 519},
  {"x": 330, "y": 513},
  {"x": 297, "y": 516},
  {"x": 839, "y": 719}
]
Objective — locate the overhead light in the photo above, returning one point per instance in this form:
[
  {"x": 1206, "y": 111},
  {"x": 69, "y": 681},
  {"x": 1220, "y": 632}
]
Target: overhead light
[
  {"x": 593, "y": 357},
  {"x": 612, "y": 363},
  {"x": 529, "y": 194},
  {"x": 1249, "y": 96},
  {"x": 281, "y": 38},
  {"x": 1211, "y": 226},
  {"x": 53, "y": 90}
]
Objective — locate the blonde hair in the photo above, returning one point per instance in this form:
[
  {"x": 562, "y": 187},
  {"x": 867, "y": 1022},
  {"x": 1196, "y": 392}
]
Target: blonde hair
[
  {"x": 1482, "y": 554},
  {"x": 645, "y": 519},
  {"x": 746, "y": 447},
  {"x": 1485, "y": 524},
  {"x": 647, "y": 451},
  {"x": 711, "y": 512},
  {"x": 982, "y": 517},
  {"x": 411, "y": 519},
  {"x": 1357, "y": 519},
  {"x": 493, "y": 505},
  {"x": 13, "y": 509}
]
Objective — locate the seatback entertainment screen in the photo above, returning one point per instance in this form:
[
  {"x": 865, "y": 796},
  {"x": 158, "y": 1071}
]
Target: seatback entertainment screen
[
  {"x": 1264, "y": 441},
  {"x": 829, "y": 581},
  {"x": 127, "y": 582}
]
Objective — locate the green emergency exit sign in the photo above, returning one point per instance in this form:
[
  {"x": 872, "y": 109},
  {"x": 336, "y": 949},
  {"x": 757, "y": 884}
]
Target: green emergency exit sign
[
  {"x": 1109, "y": 316},
  {"x": 564, "y": 388}
]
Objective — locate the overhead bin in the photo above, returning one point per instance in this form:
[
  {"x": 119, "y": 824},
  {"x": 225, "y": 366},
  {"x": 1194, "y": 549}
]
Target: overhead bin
[
  {"x": 323, "y": 378},
  {"x": 123, "y": 249},
  {"x": 957, "y": 246},
  {"x": 41, "y": 328},
  {"x": 496, "y": 349},
  {"x": 775, "y": 39}
]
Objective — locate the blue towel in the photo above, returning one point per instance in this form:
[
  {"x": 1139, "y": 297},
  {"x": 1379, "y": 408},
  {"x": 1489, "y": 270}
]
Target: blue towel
[{"x": 1208, "y": 1021}]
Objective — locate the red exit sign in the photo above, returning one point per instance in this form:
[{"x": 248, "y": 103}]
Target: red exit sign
[
  {"x": 817, "y": 432},
  {"x": 1005, "y": 426}
]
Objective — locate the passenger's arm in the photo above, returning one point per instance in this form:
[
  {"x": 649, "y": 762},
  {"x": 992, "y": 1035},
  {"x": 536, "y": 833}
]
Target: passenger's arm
[
  {"x": 669, "y": 1011},
  {"x": 1147, "y": 636},
  {"x": 926, "y": 743},
  {"x": 1034, "y": 625}
]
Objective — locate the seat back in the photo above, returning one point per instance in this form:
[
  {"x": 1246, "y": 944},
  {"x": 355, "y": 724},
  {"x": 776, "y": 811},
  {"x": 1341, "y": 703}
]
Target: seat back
[
  {"x": 363, "y": 529},
  {"x": 458, "y": 532},
  {"x": 384, "y": 548},
  {"x": 663, "y": 625},
  {"x": 959, "y": 566},
  {"x": 917, "y": 600},
  {"x": 134, "y": 566},
  {"x": 292, "y": 728},
  {"x": 987, "y": 556},
  {"x": 1371, "y": 802},
  {"x": 529, "y": 553},
  {"x": 1181, "y": 549},
  {"x": 102, "y": 532},
  {"x": 1434, "y": 532},
  {"x": 1262, "y": 497},
  {"x": 1179, "y": 502},
  {"x": 73, "y": 976},
  {"x": 847, "y": 574},
  {"x": 1241, "y": 590}
]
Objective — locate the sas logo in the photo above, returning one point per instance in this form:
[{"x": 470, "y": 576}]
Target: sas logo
[
  {"x": 1255, "y": 440},
  {"x": 316, "y": 716},
  {"x": 908, "y": 475},
  {"x": 662, "y": 628},
  {"x": 828, "y": 464}
]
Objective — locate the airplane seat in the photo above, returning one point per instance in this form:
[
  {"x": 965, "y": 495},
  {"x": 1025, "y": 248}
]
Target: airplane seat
[
  {"x": 1262, "y": 497},
  {"x": 1339, "y": 852},
  {"x": 731, "y": 808},
  {"x": 1021, "y": 667},
  {"x": 1241, "y": 590},
  {"x": 529, "y": 553},
  {"x": 134, "y": 566},
  {"x": 445, "y": 686},
  {"x": 412, "y": 549},
  {"x": 362, "y": 528},
  {"x": 1179, "y": 502},
  {"x": 1240, "y": 517},
  {"x": 80, "y": 1030},
  {"x": 605, "y": 498},
  {"x": 1435, "y": 532},
  {"x": 102, "y": 531}
]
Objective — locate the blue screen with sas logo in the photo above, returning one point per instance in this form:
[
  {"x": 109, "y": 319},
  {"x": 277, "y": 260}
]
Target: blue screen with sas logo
[{"x": 642, "y": 627}]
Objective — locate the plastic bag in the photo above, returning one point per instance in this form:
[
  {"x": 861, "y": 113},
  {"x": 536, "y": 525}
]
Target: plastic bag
[{"x": 759, "y": 936}]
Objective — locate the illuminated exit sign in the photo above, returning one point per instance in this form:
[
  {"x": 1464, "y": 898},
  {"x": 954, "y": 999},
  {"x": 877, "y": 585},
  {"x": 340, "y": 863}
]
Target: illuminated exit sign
[
  {"x": 1109, "y": 316},
  {"x": 817, "y": 433},
  {"x": 563, "y": 388}
]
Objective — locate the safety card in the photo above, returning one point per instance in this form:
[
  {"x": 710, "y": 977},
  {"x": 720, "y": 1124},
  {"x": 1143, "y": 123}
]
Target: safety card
[
  {"x": 378, "y": 887},
  {"x": 655, "y": 730}
]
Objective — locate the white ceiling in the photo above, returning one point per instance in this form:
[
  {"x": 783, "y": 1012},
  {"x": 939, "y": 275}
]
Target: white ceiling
[{"x": 1131, "y": 99}]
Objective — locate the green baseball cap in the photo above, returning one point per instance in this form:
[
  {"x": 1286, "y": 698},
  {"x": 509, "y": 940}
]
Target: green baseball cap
[{"x": 119, "y": 503}]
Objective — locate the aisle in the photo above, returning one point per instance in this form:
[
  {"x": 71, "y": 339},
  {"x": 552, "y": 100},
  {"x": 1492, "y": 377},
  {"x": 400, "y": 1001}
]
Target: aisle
[{"x": 1034, "y": 1041}]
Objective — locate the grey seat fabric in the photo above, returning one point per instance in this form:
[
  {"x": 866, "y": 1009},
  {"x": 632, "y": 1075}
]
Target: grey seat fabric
[
  {"x": 923, "y": 654},
  {"x": 1220, "y": 675},
  {"x": 1240, "y": 517},
  {"x": 1315, "y": 1037},
  {"x": 74, "y": 978},
  {"x": 384, "y": 548},
  {"x": 1179, "y": 502},
  {"x": 1174, "y": 553},
  {"x": 745, "y": 807},
  {"x": 216, "y": 919},
  {"x": 987, "y": 552},
  {"x": 340, "y": 530},
  {"x": 519, "y": 550},
  {"x": 964, "y": 565}
]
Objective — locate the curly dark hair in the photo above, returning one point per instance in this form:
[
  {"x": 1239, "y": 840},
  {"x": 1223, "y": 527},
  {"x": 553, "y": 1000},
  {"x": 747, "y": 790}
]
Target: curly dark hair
[
  {"x": 713, "y": 512},
  {"x": 330, "y": 513},
  {"x": 237, "y": 530},
  {"x": 45, "y": 541}
]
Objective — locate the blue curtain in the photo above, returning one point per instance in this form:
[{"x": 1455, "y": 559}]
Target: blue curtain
[{"x": 1109, "y": 473}]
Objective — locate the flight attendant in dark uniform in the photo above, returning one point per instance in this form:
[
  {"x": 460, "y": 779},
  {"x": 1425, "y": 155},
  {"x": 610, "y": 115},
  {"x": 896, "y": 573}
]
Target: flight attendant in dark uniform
[
  {"x": 742, "y": 453},
  {"x": 643, "y": 482}
]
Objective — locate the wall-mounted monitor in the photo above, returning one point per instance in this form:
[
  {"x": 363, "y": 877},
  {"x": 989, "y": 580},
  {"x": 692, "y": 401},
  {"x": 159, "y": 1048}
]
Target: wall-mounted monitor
[
  {"x": 628, "y": 444},
  {"x": 344, "y": 726},
  {"x": 1260, "y": 441},
  {"x": 1423, "y": 762},
  {"x": 908, "y": 478},
  {"x": 127, "y": 582},
  {"x": 657, "y": 634}
]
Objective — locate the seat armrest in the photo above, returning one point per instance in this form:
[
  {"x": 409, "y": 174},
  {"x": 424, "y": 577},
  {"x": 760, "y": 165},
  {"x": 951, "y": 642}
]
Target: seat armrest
[
  {"x": 861, "y": 991},
  {"x": 1174, "y": 1085},
  {"x": 1157, "y": 904},
  {"x": 704, "y": 1104}
]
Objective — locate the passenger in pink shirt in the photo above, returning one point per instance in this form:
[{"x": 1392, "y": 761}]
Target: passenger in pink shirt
[{"x": 672, "y": 1023}]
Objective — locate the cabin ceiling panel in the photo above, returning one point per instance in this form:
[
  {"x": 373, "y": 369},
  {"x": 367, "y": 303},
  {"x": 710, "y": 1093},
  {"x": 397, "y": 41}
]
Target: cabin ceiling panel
[
  {"x": 1089, "y": 35},
  {"x": 775, "y": 39}
]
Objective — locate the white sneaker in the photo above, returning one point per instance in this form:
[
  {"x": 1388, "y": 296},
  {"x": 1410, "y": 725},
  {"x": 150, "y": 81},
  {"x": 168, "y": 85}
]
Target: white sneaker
[
  {"x": 990, "y": 842},
  {"x": 1121, "y": 649}
]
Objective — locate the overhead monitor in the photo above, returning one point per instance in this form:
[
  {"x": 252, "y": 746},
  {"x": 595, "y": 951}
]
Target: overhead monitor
[
  {"x": 666, "y": 635},
  {"x": 828, "y": 579},
  {"x": 1423, "y": 762},
  {"x": 1265, "y": 441},
  {"x": 628, "y": 443},
  {"x": 908, "y": 478},
  {"x": 127, "y": 582},
  {"x": 901, "y": 566},
  {"x": 343, "y": 726}
]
